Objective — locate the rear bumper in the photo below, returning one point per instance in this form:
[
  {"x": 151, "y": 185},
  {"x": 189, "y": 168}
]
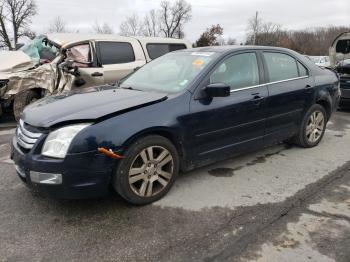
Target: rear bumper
[{"x": 84, "y": 175}]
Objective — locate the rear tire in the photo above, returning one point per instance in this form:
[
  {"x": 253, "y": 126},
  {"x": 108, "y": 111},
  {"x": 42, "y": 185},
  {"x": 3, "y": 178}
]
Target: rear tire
[
  {"x": 148, "y": 171},
  {"x": 22, "y": 100},
  {"x": 312, "y": 128}
]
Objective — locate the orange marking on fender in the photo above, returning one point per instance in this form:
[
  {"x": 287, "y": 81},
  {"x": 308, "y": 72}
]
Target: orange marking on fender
[{"x": 109, "y": 153}]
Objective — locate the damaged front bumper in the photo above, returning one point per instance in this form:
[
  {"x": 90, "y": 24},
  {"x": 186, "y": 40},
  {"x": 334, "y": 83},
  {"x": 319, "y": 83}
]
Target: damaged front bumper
[{"x": 63, "y": 178}]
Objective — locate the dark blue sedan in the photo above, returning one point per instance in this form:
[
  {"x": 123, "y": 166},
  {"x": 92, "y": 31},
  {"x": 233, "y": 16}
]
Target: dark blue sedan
[{"x": 184, "y": 110}]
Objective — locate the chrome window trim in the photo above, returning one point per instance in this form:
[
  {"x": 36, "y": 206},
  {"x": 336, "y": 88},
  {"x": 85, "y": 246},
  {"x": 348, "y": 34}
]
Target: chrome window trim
[{"x": 266, "y": 84}]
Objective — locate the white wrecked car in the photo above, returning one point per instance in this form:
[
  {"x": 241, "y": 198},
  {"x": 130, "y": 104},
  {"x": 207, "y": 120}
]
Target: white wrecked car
[{"x": 54, "y": 63}]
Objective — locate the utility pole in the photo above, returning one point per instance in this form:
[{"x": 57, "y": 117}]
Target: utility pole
[{"x": 256, "y": 26}]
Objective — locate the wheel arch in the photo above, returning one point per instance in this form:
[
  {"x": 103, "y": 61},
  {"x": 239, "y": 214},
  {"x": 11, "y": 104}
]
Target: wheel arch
[
  {"x": 161, "y": 131},
  {"x": 39, "y": 90},
  {"x": 168, "y": 133},
  {"x": 327, "y": 105}
]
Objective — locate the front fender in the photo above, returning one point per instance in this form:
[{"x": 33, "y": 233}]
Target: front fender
[{"x": 119, "y": 131}]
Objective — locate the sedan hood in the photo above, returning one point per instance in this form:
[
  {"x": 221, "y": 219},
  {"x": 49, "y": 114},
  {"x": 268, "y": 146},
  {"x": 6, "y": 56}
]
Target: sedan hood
[
  {"x": 87, "y": 106},
  {"x": 13, "y": 61}
]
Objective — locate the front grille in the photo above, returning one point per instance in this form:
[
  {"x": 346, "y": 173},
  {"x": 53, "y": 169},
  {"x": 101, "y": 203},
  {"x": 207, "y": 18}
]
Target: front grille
[{"x": 26, "y": 139}]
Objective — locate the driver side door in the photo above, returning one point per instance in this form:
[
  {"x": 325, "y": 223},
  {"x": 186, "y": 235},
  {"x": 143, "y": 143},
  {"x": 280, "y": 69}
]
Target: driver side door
[
  {"x": 223, "y": 126},
  {"x": 85, "y": 72}
]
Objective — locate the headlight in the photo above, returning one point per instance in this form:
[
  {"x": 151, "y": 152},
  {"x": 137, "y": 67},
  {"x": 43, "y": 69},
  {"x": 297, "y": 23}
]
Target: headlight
[{"x": 57, "y": 143}]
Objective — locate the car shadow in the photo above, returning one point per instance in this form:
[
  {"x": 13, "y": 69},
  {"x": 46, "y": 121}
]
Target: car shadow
[{"x": 113, "y": 201}]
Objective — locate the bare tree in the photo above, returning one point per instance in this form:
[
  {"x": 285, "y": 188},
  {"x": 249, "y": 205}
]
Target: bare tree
[
  {"x": 151, "y": 24},
  {"x": 131, "y": 26},
  {"x": 254, "y": 27},
  {"x": 57, "y": 26},
  {"x": 173, "y": 17},
  {"x": 260, "y": 32},
  {"x": 15, "y": 15},
  {"x": 102, "y": 29},
  {"x": 210, "y": 36}
]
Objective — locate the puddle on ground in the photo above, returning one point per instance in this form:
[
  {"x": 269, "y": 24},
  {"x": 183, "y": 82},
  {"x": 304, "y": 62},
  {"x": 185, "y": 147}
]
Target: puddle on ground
[
  {"x": 224, "y": 171},
  {"x": 229, "y": 172}
]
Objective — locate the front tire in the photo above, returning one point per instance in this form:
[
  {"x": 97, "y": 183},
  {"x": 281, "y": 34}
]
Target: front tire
[
  {"x": 148, "y": 171},
  {"x": 22, "y": 100},
  {"x": 312, "y": 128}
]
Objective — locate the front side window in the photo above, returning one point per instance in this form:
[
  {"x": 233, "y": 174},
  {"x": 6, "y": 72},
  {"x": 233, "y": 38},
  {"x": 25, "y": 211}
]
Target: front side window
[
  {"x": 280, "y": 66},
  {"x": 238, "y": 71},
  {"x": 80, "y": 54},
  {"x": 170, "y": 73},
  {"x": 157, "y": 50},
  {"x": 116, "y": 53}
]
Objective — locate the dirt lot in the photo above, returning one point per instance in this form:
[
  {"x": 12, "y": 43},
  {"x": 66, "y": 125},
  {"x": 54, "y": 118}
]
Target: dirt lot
[{"x": 277, "y": 204}]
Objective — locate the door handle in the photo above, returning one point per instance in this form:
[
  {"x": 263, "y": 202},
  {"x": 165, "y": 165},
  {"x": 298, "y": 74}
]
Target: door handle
[
  {"x": 257, "y": 98},
  {"x": 97, "y": 74},
  {"x": 307, "y": 86}
]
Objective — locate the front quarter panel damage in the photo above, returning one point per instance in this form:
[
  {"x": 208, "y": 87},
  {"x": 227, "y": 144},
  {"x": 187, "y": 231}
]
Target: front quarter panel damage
[{"x": 41, "y": 77}]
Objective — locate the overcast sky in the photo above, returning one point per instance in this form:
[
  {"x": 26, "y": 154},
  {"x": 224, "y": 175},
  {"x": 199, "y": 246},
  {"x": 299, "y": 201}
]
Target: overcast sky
[{"x": 232, "y": 15}]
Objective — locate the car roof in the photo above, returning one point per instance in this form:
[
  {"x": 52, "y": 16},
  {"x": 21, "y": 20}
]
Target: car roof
[
  {"x": 71, "y": 38},
  {"x": 230, "y": 48}
]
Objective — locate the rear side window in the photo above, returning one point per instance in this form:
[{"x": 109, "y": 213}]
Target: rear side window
[
  {"x": 302, "y": 70},
  {"x": 116, "y": 53},
  {"x": 280, "y": 66},
  {"x": 238, "y": 71},
  {"x": 157, "y": 50}
]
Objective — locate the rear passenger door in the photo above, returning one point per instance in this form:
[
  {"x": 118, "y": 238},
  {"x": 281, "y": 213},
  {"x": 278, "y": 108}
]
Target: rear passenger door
[
  {"x": 118, "y": 59},
  {"x": 290, "y": 92}
]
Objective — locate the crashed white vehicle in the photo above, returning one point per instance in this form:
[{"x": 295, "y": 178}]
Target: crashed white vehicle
[
  {"x": 339, "y": 54},
  {"x": 55, "y": 63}
]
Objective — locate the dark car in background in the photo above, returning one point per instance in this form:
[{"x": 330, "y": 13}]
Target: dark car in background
[
  {"x": 339, "y": 54},
  {"x": 343, "y": 68},
  {"x": 181, "y": 111}
]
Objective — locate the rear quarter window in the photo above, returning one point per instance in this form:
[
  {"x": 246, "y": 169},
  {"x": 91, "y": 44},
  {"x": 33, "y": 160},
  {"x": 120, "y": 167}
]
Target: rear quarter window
[
  {"x": 302, "y": 70},
  {"x": 116, "y": 53},
  {"x": 156, "y": 50}
]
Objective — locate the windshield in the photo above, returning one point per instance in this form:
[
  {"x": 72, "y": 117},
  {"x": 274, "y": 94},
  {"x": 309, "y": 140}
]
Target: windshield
[
  {"x": 39, "y": 51},
  {"x": 170, "y": 73}
]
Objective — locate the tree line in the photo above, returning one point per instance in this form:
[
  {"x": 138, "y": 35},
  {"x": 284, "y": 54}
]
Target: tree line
[
  {"x": 310, "y": 41},
  {"x": 169, "y": 20}
]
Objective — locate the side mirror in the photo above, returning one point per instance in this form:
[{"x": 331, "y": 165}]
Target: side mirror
[{"x": 218, "y": 90}]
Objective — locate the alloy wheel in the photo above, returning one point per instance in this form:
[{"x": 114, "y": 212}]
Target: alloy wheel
[
  {"x": 315, "y": 126},
  {"x": 151, "y": 171}
]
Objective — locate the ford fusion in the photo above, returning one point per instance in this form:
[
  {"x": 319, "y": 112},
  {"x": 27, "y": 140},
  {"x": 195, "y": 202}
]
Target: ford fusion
[{"x": 184, "y": 110}]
